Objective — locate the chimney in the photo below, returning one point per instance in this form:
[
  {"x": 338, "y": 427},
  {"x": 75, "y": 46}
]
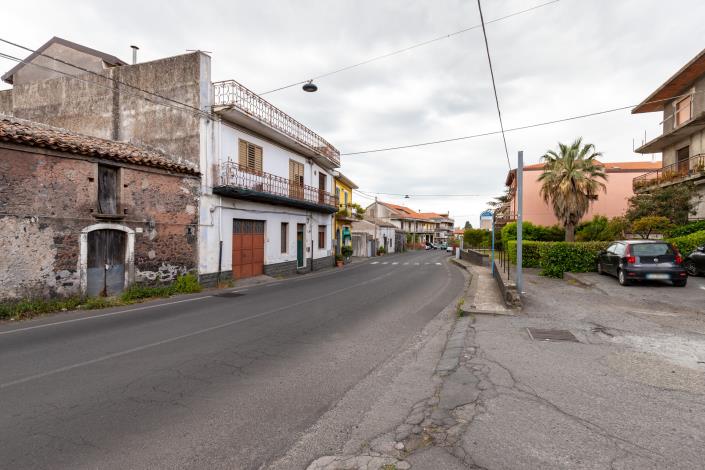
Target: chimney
[{"x": 134, "y": 54}]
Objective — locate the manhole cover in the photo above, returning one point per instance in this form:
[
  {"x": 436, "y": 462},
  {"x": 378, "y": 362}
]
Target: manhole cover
[
  {"x": 230, "y": 294},
  {"x": 539, "y": 334}
]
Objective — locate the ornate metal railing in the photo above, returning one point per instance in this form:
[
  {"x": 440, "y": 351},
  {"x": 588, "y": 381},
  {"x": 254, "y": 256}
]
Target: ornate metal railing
[
  {"x": 238, "y": 176},
  {"x": 232, "y": 93},
  {"x": 675, "y": 172}
]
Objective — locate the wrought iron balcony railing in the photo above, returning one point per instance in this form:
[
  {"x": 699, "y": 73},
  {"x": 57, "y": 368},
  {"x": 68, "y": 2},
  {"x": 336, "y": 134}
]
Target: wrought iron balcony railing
[
  {"x": 238, "y": 176},
  {"x": 673, "y": 173},
  {"x": 232, "y": 93}
]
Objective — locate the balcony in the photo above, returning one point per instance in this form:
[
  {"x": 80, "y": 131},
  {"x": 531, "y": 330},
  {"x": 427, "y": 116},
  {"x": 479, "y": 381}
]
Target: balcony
[
  {"x": 685, "y": 170},
  {"x": 242, "y": 105},
  {"x": 245, "y": 183}
]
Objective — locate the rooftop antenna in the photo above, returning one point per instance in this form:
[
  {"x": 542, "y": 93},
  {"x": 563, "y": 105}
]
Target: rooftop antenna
[{"x": 134, "y": 54}]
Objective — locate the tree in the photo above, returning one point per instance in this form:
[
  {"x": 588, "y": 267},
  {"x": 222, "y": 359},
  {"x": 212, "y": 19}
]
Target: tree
[
  {"x": 570, "y": 182},
  {"x": 675, "y": 202},
  {"x": 600, "y": 228},
  {"x": 652, "y": 223},
  {"x": 476, "y": 238},
  {"x": 467, "y": 225}
]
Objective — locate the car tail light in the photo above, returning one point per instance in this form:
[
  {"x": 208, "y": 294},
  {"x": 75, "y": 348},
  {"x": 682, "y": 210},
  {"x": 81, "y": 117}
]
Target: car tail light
[
  {"x": 679, "y": 259},
  {"x": 630, "y": 259}
]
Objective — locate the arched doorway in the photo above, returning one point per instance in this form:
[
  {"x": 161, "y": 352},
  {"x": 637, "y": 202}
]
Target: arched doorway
[{"x": 106, "y": 259}]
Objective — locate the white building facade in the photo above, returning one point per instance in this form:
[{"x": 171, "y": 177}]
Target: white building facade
[{"x": 267, "y": 199}]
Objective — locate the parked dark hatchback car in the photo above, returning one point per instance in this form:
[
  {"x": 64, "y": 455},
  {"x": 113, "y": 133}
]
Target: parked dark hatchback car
[
  {"x": 695, "y": 262},
  {"x": 643, "y": 260}
]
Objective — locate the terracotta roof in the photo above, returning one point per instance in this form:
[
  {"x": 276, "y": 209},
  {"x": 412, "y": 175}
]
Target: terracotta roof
[
  {"x": 20, "y": 131},
  {"x": 674, "y": 86},
  {"x": 458, "y": 231},
  {"x": 412, "y": 214}
]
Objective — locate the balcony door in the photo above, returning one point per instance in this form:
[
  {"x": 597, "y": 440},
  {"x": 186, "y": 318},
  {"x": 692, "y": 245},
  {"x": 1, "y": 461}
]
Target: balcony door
[
  {"x": 683, "y": 160},
  {"x": 321, "y": 188},
  {"x": 296, "y": 180}
]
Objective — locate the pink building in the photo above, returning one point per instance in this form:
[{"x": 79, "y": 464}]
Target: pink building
[{"x": 611, "y": 203}]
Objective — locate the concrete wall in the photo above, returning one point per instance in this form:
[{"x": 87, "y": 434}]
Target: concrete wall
[
  {"x": 48, "y": 198},
  {"x": 6, "y": 102},
  {"x": 29, "y": 73},
  {"x": 93, "y": 107}
]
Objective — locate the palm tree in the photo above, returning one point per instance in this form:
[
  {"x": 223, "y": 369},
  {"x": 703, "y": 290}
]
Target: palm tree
[{"x": 570, "y": 182}]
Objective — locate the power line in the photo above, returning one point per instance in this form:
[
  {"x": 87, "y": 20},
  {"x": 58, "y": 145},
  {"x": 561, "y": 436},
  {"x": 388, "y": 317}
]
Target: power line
[
  {"x": 513, "y": 129},
  {"x": 408, "y": 48},
  {"x": 193, "y": 110},
  {"x": 494, "y": 85},
  {"x": 83, "y": 69}
]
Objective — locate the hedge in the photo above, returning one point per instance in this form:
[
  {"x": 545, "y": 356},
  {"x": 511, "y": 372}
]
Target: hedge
[
  {"x": 555, "y": 258},
  {"x": 687, "y": 229},
  {"x": 688, "y": 243}
]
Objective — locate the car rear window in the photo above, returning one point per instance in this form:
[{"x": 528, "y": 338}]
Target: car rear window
[{"x": 651, "y": 249}]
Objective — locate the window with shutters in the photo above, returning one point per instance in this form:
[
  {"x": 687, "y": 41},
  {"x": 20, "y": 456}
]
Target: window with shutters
[
  {"x": 250, "y": 156},
  {"x": 296, "y": 179},
  {"x": 107, "y": 190},
  {"x": 285, "y": 237},
  {"x": 322, "y": 237}
]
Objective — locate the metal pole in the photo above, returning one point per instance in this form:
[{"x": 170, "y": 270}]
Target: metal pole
[
  {"x": 520, "y": 206},
  {"x": 492, "y": 261}
]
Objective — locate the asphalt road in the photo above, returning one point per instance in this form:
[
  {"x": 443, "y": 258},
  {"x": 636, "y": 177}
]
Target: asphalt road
[{"x": 208, "y": 381}]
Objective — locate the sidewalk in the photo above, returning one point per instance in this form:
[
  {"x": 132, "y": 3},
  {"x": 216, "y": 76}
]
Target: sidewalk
[{"x": 483, "y": 295}]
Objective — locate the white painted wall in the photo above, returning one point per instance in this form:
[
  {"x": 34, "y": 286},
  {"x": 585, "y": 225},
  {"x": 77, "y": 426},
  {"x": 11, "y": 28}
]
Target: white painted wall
[{"x": 220, "y": 143}]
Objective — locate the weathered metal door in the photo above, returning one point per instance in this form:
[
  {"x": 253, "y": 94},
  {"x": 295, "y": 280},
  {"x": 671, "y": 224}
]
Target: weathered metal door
[
  {"x": 300, "y": 245},
  {"x": 106, "y": 262},
  {"x": 248, "y": 248}
]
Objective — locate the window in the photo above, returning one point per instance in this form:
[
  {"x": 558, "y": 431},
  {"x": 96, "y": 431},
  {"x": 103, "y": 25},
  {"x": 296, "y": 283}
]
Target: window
[
  {"x": 250, "y": 156},
  {"x": 321, "y": 188},
  {"x": 296, "y": 179},
  {"x": 345, "y": 196},
  {"x": 620, "y": 249},
  {"x": 285, "y": 237},
  {"x": 322, "y": 237},
  {"x": 683, "y": 110},
  {"x": 107, "y": 190}
]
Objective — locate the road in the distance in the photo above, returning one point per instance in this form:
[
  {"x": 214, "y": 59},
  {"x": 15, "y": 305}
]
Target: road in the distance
[{"x": 215, "y": 382}]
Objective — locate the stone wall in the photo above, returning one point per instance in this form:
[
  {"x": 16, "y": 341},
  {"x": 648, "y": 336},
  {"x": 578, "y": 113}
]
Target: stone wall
[
  {"x": 100, "y": 107},
  {"x": 47, "y": 198},
  {"x": 326, "y": 262},
  {"x": 287, "y": 268}
]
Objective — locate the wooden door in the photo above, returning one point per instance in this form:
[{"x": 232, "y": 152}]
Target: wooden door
[
  {"x": 248, "y": 248},
  {"x": 105, "y": 274},
  {"x": 300, "y": 245}
]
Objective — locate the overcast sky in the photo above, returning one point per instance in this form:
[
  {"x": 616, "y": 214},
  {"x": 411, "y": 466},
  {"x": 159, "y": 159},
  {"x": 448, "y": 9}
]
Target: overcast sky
[{"x": 571, "y": 57}]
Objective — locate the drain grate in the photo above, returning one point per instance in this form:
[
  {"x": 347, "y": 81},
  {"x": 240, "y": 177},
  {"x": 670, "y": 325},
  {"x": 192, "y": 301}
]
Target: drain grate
[
  {"x": 540, "y": 334},
  {"x": 230, "y": 294}
]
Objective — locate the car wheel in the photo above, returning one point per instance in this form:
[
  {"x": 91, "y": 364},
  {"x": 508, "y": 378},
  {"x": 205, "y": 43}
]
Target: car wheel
[
  {"x": 600, "y": 271},
  {"x": 680, "y": 283},
  {"x": 690, "y": 268},
  {"x": 623, "y": 281}
]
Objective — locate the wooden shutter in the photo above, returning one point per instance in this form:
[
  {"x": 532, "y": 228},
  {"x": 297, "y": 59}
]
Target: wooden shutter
[
  {"x": 107, "y": 189},
  {"x": 258, "y": 158},
  {"x": 242, "y": 153}
]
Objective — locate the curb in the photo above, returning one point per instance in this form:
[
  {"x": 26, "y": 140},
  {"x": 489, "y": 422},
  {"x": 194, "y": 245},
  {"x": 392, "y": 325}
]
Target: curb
[
  {"x": 468, "y": 305},
  {"x": 577, "y": 280}
]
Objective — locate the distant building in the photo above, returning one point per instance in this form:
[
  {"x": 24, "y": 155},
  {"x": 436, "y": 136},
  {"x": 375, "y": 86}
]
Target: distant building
[
  {"x": 486, "y": 220},
  {"x": 419, "y": 227},
  {"x": 611, "y": 203},
  {"x": 345, "y": 216}
]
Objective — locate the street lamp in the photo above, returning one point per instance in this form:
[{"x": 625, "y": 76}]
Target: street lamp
[{"x": 310, "y": 87}]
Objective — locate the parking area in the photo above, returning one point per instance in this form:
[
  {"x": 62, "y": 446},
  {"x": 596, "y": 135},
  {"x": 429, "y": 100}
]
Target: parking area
[{"x": 627, "y": 392}]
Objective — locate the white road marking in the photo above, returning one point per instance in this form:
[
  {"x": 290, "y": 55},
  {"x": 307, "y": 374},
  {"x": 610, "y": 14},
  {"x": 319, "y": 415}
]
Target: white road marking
[
  {"x": 438, "y": 264},
  {"x": 385, "y": 262},
  {"x": 405, "y": 264},
  {"x": 427, "y": 263},
  {"x": 146, "y": 307},
  {"x": 374, "y": 262},
  {"x": 702, "y": 287},
  {"x": 395, "y": 262},
  {"x": 416, "y": 264}
]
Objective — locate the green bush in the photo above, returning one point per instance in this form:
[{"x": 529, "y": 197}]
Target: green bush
[
  {"x": 533, "y": 232},
  {"x": 555, "y": 258},
  {"x": 346, "y": 251},
  {"x": 687, "y": 243},
  {"x": 186, "y": 284},
  {"x": 687, "y": 229}
]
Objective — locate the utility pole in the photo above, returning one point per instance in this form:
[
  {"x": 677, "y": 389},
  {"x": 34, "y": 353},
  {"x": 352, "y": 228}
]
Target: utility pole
[
  {"x": 520, "y": 207},
  {"x": 492, "y": 261},
  {"x": 375, "y": 222}
]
